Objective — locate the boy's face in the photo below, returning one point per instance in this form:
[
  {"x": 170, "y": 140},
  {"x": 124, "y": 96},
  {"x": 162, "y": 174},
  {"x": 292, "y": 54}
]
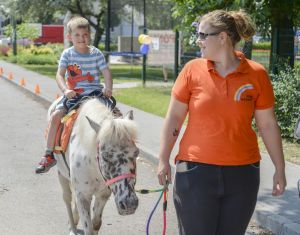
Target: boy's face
[{"x": 80, "y": 37}]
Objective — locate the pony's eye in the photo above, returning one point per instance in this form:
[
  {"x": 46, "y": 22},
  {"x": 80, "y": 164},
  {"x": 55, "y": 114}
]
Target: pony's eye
[
  {"x": 104, "y": 155},
  {"x": 136, "y": 153}
]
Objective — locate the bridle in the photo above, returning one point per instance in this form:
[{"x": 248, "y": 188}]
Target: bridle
[
  {"x": 118, "y": 178},
  {"x": 111, "y": 181}
]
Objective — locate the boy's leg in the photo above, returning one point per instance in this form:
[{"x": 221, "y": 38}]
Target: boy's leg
[{"x": 48, "y": 159}]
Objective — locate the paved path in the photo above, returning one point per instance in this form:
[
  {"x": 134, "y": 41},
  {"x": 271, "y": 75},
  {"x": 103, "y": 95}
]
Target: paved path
[{"x": 32, "y": 204}]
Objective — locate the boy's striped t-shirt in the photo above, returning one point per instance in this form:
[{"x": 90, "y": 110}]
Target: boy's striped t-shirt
[{"x": 83, "y": 70}]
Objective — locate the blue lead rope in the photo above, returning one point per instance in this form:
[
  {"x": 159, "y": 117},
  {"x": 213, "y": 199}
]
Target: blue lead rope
[
  {"x": 163, "y": 192},
  {"x": 152, "y": 212},
  {"x": 298, "y": 184}
]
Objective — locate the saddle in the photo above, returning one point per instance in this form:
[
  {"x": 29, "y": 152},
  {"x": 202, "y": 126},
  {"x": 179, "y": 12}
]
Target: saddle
[
  {"x": 64, "y": 131},
  {"x": 65, "y": 128}
]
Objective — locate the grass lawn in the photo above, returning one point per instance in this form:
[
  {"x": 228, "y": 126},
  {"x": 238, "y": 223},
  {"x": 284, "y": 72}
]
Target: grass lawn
[
  {"x": 47, "y": 70},
  {"x": 262, "y": 57},
  {"x": 151, "y": 100},
  {"x": 291, "y": 150},
  {"x": 120, "y": 73}
]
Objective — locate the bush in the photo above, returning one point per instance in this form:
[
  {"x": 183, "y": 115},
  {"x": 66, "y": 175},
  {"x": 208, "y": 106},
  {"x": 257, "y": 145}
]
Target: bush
[
  {"x": 33, "y": 59},
  {"x": 262, "y": 45},
  {"x": 4, "y": 50},
  {"x": 113, "y": 47},
  {"x": 286, "y": 85},
  {"x": 57, "y": 48},
  {"x": 42, "y": 50}
]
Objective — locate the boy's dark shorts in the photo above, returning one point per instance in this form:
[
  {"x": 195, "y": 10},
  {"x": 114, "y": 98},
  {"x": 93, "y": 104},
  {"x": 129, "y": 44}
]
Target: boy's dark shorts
[{"x": 69, "y": 104}]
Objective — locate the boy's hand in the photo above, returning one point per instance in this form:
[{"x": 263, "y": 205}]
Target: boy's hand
[
  {"x": 107, "y": 92},
  {"x": 69, "y": 93}
]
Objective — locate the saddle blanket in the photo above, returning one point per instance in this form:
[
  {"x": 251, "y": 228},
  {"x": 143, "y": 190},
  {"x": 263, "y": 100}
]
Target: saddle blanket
[{"x": 63, "y": 132}]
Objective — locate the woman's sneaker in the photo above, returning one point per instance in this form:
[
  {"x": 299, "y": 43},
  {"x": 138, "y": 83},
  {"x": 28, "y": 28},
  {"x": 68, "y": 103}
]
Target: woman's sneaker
[{"x": 45, "y": 164}]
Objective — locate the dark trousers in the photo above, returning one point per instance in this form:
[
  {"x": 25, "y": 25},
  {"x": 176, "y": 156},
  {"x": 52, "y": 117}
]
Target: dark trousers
[{"x": 215, "y": 200}]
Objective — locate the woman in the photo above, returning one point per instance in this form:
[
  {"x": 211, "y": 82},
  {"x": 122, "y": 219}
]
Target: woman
[{"x": 217, "y": 166}]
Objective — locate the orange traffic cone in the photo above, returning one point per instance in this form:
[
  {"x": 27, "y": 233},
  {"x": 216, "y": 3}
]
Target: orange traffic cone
[
  {"x": 1, "y": 71},
  {"x": 22, "y": 82},
  {"x": 37, "y": 89},
  {"x": 10, "y": 76},
  {"x": 57, "y": 96}
]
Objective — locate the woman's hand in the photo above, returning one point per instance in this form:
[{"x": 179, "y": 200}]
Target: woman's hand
[
  {"x": 279, "y": 183},
  {"x": 69, "y": 93},
  {"x": 164, "y": 172}
]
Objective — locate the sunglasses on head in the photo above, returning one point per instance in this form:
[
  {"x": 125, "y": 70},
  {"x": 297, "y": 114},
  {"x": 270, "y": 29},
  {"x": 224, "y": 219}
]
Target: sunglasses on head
[{"x": 203, "y": 36}]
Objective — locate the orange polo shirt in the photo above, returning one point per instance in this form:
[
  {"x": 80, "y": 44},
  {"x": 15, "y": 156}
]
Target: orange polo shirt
[{"x": 221, "y": 110}]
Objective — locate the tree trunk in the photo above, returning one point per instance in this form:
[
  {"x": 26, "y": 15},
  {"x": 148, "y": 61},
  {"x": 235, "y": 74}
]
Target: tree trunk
[
  {"x": 247, "y": 49},
  {"x": 97, "y": 38},
  {"x": 68, "y": 16},
  {"x": 282, "y": 44}
]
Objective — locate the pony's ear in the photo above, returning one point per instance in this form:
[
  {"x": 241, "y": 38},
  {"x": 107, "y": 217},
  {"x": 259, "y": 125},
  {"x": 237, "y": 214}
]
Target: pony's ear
[
  {"x": 93, "y": 124},
  {"x": 129, "y": 115}
]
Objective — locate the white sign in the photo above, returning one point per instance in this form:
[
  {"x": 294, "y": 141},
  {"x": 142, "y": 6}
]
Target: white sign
[
  {"x": 155, "y": 44},
  {"x": 162, "y": 49}
]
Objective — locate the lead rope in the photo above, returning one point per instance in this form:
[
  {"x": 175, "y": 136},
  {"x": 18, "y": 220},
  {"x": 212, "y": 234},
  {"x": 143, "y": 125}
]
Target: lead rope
[
  {"x": 164, "y": 193},
  {"x": 298, "y": 184}
]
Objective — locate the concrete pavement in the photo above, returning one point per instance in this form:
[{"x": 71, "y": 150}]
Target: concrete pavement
[{"x": 281, "y": 214}]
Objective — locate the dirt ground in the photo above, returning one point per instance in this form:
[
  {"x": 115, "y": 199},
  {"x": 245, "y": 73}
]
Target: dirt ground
[{"x": 255, "y": 229}]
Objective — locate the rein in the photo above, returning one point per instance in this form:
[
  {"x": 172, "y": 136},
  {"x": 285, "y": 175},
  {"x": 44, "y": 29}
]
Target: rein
[{"x": 164, "y": 192}]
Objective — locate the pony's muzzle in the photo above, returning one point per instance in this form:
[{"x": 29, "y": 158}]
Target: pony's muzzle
[{"x": 128, "y": 205}]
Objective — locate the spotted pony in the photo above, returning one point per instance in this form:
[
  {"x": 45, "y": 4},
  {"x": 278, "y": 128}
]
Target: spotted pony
[{"x": 100, "y": 159}]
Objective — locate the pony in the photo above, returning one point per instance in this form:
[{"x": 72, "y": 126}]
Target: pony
[{"x": 100, "y": 160}]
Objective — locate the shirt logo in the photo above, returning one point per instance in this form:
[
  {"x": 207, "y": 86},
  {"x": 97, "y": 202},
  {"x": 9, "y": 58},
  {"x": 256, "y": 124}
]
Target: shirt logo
[{"x": 239, "y": 92}]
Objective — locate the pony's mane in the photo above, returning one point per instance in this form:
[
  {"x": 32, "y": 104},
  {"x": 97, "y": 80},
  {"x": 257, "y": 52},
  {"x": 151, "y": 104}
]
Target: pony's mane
[
  {"x": 112, "y": 130},
  {"x": 118, "y": 131}
]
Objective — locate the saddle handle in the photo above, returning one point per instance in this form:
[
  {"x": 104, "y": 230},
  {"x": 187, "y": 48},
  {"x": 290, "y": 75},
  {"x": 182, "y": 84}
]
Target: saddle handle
[{"x": 111, "y": 104}]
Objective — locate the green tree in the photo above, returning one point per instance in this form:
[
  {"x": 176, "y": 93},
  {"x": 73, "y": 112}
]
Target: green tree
[
  {"x": 281, "y": 16},
  {"x": 284, "y": 16},
  {"x": 24, "y": 30},
  {"x": 49, "y": 11},
  {"x": 158, "y": 13},
  {"x": 95, "y": 11}
]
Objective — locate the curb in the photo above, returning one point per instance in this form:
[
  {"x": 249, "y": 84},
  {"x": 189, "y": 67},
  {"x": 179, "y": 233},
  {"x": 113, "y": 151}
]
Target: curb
[
  {"x": 150, "y": 156},
  {"x": 38, "y": 98},
  {"x": 275, "y": 223}
]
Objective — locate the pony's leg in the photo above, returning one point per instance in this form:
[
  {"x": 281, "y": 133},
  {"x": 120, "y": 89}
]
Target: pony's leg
[
  {"x": 67, "y": 196},
  {"x": 84, "y": 205},
  {"x": 74, "y": 208},
  {"x": 97, "y": 209}
]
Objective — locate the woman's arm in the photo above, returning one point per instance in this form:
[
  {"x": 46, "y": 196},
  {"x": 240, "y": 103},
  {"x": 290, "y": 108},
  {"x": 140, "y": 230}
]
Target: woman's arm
[
  {"x": 175, "y": 117},
  {"x": 269, "y": 130}
]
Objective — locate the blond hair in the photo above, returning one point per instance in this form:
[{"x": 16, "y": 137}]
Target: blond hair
[
  {"x": 237, "y": 24},
  {"x": 77, "y": 22}
]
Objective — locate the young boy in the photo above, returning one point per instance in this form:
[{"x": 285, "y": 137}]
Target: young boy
[{"x": 80, "y": 65}]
